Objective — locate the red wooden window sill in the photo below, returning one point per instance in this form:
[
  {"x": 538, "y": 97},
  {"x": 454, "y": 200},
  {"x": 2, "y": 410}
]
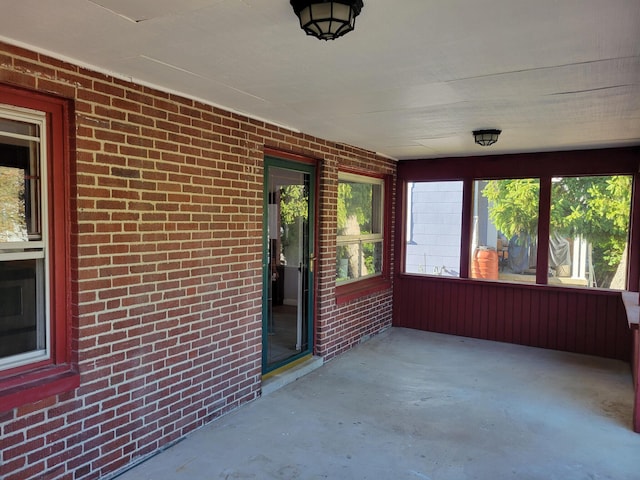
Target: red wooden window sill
[
  {"x": 355, "y": 290},
  {"x": 36, "y": 385}
]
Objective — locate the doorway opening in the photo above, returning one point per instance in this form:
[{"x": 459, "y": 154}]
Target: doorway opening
[{"x": 288, "y": 246}]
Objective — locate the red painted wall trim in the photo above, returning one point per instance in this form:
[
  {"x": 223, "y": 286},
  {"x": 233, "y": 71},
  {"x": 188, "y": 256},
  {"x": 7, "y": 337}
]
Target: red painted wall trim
[
  {"x": 401, "y": 231},
  {"x": 466, "y": 228},
  {"x": 39, "y": 385},
  {"x": 544, "y": 215},
  {"x": 633, "y": 273},
  {"x": 352, "y": 291},
  {"x": 388, "y": 229},
  {"x": 39, "y": 380},
  {"x": 635, "y": 366},
  {"x": 287, "y": 155},
  {"x": 364, "y": 173},
  {"x": 608, "y": 161}
]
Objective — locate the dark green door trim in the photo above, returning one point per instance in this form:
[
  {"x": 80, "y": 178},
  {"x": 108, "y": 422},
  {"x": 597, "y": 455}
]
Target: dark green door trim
[{"x": 306, "y": 299}]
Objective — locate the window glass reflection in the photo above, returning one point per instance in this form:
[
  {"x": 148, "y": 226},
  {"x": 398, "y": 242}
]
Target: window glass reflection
[
  {"x": 505, "y": 230},
  {"x": 589, "y": 231}
]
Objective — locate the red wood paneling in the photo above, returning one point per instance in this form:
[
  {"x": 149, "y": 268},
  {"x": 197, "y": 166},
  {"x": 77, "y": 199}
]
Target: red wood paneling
[
  {"x": 581, "y": 321},
  {"x": 636, "y": 380},
  {"x": 610, "y": 161}
]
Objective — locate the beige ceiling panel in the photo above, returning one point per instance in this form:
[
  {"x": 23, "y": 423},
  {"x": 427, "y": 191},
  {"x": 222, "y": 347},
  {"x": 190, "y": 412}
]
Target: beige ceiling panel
[
  {"x": 137, "y": 11},
  {"x": 551, "y": 74}
]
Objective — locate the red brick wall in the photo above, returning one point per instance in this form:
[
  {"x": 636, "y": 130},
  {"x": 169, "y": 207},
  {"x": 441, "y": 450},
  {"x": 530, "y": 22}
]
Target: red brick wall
[
  {"x": 340, "y": 327},
  {"x": 169, "y": 209}
]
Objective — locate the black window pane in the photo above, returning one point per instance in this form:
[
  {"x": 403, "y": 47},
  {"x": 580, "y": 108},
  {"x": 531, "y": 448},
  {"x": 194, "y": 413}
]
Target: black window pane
[{"x": 21, "y": 304}]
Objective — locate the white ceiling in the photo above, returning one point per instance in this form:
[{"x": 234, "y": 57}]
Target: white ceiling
[{"x": 412, "y": 81}]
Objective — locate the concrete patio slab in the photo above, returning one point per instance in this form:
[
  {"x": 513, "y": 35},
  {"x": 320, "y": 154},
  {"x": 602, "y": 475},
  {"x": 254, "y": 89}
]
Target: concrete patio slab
[{"x": 416, "y": 405}]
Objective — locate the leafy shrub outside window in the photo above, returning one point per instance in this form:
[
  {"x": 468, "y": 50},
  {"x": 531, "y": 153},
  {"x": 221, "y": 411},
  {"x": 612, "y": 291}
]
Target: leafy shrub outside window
[
  {"x": 591, "y": 216},
  {"x": 589, "y": 228},
  {"x": 360, "y": 227}
]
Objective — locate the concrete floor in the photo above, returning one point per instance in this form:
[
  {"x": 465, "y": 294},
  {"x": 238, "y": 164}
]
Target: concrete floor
[{"x": 417, "y": 405}]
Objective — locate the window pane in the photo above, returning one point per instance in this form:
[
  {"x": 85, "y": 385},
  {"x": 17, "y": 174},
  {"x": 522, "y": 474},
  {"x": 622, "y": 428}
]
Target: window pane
[
  {"x": 434, "y": 228},
  {"x": 22, "y": 328},
  {"x": 505, "y": 230},
  {"x": 13, "y": 219},
  {"x": 18, "y": 127},
  {"x": 359, "y": 208},
  {"x": 372, "y": 254},
  {"x": 356, "y": 260},
  {"x": 360, "y": 232},
  {"x": 589, "y": 231},
  {"x": 20, "y": 195}
]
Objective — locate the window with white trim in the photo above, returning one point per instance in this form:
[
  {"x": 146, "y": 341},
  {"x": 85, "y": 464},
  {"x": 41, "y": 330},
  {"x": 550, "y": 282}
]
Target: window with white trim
[
  {"x": 24, "y": 287},
  {"x": 360, "y": 236}
]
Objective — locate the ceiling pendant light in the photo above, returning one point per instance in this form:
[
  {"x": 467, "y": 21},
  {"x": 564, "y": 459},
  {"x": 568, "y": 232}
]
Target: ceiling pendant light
[
  {"x": 327, "y": 19},
  {"x": 486, "y": 137}
]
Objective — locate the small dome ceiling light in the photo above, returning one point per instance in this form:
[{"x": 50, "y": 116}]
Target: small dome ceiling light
[
  {"x": 327, "y": 19},
  {"x": 486, "y": 137}
]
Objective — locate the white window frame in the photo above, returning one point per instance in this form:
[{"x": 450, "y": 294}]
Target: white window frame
[{"x": 32, "y": 249}]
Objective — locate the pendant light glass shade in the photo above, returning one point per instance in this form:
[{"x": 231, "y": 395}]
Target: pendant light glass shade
[{"x": 327, "y": 19}]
